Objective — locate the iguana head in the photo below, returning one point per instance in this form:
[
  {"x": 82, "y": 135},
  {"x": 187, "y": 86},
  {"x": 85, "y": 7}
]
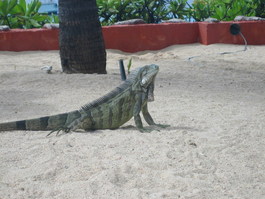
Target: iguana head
[
  {"x": 148, "y": 74},
  {"x": 148, "y": 80},
  {"x": 145, "y": 78}
]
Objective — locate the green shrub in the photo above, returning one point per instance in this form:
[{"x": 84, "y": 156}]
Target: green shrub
[
  {"x": 111, "y": 11},
  {"x": 223, "y": 10},
  {"x": 52, "y": 19},
  {"x": 152, "y": 11},
  {"x": 200, "y": 9},
  {"x": 260, "y": 10},
  {"x": 19, "y": 14},
  {"x": 177, "y": 9},
  {"x": 149, "y": 10},
  {"x": 6, "y": 8},
  {"x": 227, "y": 10}
]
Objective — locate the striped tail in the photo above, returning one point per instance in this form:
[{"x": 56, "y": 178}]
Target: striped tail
[{"x": 41, "y": 124}]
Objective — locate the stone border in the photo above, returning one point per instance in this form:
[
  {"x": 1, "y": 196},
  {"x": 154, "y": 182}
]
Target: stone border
[{"x": 140, "y": 37}]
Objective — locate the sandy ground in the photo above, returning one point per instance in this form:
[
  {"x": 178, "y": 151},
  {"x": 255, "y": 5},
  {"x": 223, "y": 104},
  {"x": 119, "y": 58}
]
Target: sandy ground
[{"x": 214, "y": 148}]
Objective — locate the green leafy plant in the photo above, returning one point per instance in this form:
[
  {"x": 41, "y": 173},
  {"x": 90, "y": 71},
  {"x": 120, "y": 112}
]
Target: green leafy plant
[
  {"x": 149, "y": 10},
  {"x": 129, "y": 65},
  {"x": 19, "y": 14},
  {"x": 106, "y": 10},
  {"x": 224, "y": 10},
  {"x": 27, "y": 14},
  {"x": 6, "y": 8},
  {"x": 52, "y": 19},
  {"x": 260, "y": 10},
  {"x": 111, "y": 11},
  {"x": 177, "y": 8},
  {"x": 227, "y": 10},
  {"x": 152, "y": 11},
  {"x": 200, "y": 9}
]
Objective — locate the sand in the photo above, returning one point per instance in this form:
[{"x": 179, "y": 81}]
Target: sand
[{"x": 213, "y": 149}]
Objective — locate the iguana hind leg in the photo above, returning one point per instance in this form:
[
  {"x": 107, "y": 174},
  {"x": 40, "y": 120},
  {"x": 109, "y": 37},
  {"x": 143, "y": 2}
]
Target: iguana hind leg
[{"x": 84, "y": 122}]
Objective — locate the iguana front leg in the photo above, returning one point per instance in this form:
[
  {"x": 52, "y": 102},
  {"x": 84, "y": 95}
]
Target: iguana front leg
[
  {"x": 136, "y": 113},
  {"x": 148, "y": 118}
]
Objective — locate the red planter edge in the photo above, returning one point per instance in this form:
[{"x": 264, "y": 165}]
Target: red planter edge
[
  {"x": 253, "y": 31},
  {"x": 134, "y": 38}
]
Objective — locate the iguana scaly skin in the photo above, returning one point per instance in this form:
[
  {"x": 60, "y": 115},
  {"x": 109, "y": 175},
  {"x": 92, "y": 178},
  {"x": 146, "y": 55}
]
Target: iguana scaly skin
[{"x": 108, "y": 112}]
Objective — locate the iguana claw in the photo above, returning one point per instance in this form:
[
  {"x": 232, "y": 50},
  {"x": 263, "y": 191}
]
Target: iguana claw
[
  {"x": 145, "y": 130},
  {"x": 162, "y": 125},
  {"x": 64, "y": 129}
]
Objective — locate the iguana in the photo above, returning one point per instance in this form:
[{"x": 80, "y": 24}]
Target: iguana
[{"x": 108, "y": 112}]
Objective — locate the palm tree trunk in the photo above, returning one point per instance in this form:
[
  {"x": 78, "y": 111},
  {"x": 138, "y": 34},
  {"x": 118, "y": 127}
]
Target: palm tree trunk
[{"x": 82, "y": 48}]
